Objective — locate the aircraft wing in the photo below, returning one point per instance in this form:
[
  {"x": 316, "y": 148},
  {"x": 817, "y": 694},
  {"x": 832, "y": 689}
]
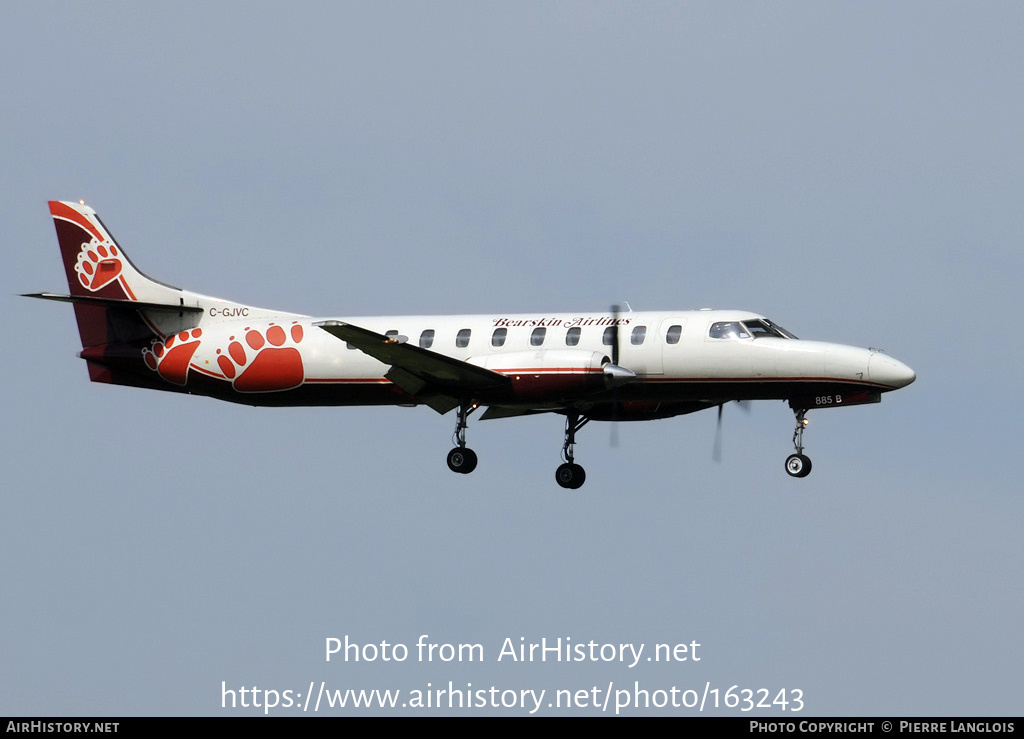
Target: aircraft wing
[{"x": 433, "y": 379}]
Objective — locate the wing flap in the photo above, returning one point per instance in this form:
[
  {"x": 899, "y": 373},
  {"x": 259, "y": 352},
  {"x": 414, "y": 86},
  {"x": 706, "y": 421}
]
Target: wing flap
[
  {"x": 419, "y": 389},
  {"x": 503, "y": 411}
]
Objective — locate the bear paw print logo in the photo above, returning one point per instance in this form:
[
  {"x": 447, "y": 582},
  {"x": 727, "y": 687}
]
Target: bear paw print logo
[
  {"x": 99, "y": 264},
  {"x": 170, "y": 357},
  {"x": 261, "y": 361}
]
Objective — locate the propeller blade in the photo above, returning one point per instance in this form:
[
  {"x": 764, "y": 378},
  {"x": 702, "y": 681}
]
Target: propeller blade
[
  {"x": 614, "y": 376},
  {"x": 615, "y": 334},
  {"x": 716, "y": 452}
]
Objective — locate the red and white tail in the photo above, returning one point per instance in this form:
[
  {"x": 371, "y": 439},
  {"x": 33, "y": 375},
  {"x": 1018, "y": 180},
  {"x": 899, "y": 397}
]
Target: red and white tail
[
  {"x": 95, "y": 265},
  {"x": 128, "y": 321},
  {"x": 118, "y": 309}
]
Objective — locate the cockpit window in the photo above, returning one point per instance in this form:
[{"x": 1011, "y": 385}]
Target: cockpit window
[
  {"x": 728, "y": 330},
  {"x": 777, "y": 327},
  {"x": 759, "y": 327}
]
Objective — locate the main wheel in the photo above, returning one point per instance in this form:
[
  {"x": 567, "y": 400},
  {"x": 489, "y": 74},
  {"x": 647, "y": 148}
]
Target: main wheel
[
  {"x": 462, "y": 460},
  {"x": 798, "y": 465},
  {"x": 570, "y": 476}
]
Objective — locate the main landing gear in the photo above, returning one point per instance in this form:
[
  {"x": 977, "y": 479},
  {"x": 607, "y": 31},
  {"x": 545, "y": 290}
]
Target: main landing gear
[
  {"x": 462, "y": 459},
  {"x": 799, "y": 464},
  {"x": 570, "y": 475}
]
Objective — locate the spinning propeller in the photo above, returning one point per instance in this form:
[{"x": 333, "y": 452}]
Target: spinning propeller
[
  {"x": 716, "y": 451},
  {"x": 615, "y": 376}
]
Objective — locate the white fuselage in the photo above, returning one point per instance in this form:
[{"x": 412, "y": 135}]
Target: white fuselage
[{"x": 659, "y": 347}]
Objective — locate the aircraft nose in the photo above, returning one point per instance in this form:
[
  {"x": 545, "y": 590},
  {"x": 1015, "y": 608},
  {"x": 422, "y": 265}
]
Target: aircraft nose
[{"x": 889, "y": 371}]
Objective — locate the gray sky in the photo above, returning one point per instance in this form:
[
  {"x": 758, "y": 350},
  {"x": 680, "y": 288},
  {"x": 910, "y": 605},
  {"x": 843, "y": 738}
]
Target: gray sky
[{"x": 852, "y": 170}]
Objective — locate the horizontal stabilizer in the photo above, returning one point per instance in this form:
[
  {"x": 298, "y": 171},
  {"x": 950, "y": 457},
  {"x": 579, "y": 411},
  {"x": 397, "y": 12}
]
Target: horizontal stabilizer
[{"x": 115, "y": 303}]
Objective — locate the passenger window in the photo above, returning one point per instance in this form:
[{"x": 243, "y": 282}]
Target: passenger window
[
  {"x": 608, "y": 338},
  {"x": 537, "y": 336},
  {"x": 462, "y": 339},
  {"x": 498, "y": 337},
  {"x": 637, "y": 337},
  {"x": 673, "y": 334},
  {"x": 572, "y": 336},
  {"x": 427, "y": 338}
]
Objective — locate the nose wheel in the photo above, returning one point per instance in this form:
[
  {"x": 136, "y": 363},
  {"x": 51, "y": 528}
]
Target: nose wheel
[{"x": 799, "y": 464}]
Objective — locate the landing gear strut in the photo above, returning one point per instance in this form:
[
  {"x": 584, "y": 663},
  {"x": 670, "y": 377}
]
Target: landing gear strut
[
  {"x": 462, "y": 459},
  {"x": 799, "y": 464},
  {"x": 570, "y": 475}
]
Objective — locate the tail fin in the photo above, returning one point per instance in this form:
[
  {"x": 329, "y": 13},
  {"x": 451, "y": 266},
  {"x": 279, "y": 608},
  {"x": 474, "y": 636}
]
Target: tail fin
[
  {"x": 118, "y": 309},
  {"x": 126, "y": 319},
  {"x": 95, "y": 265}
]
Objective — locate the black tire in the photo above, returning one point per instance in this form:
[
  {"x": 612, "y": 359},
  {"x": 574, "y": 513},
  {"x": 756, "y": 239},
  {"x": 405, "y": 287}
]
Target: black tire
[
  {"x": 570, "y": 476},
  {"x": 581, "y": 477},
  {"x": 462, "y": 460},
  {"x": 798, "y": 465}
]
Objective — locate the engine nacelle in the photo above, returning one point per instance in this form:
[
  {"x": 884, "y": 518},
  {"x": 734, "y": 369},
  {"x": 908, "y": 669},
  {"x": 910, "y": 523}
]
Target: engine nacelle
[{"x": 548, "y": 374}]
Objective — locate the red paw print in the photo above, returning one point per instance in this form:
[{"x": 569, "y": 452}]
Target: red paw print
[
  {"x": 98, "y": 264},
  {"x": 263, "y": 362},
  {"x": 171, "y": 356}
]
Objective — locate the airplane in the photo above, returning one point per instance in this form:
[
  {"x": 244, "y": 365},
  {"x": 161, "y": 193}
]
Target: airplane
[{"x": 585, "y": 366}]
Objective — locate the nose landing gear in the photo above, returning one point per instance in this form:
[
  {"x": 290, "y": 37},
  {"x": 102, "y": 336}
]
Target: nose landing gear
[{"x": 799, "y": 464}]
